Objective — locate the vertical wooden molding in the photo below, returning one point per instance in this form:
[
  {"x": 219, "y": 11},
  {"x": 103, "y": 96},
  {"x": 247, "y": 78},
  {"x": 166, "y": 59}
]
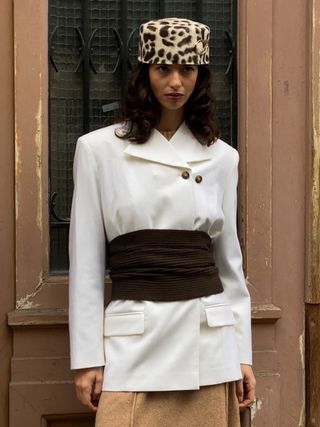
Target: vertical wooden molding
[
  {"x": 313, "y": 181},
  {"x": 31, "y": 148},
  {"x": 312, "y": 283},
  {"x": 256, "y": 144},
  {"x": 6, "y": 201}
]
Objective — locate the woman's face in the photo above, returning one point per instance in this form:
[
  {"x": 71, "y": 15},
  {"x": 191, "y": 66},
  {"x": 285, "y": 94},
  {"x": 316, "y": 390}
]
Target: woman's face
[{"x": 172, "y": 85}]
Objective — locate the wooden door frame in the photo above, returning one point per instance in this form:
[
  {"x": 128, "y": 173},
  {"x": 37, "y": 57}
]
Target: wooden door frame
[
  {"x": 312, "y": 300},
  {"x": 7, "y": 209},
  {"x": 272, "y": 143}
]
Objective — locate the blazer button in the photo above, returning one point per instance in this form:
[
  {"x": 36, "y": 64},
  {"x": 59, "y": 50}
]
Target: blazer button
[
  {"x": 198, "y": 179},
  {"x": 185, "y": 175}
]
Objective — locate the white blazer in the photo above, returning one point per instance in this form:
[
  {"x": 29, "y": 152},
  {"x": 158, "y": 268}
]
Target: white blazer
[{"x": 121, "y": 187}]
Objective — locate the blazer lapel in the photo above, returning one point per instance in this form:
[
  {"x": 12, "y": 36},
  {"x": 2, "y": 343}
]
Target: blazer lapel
[
  {"x": 186, "y": 145},
  {"x": 181, "y": 150}
]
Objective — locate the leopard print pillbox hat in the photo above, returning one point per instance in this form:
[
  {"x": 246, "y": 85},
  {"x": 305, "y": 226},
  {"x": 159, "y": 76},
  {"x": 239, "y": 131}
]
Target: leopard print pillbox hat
[{"x": 174, "y": 41}]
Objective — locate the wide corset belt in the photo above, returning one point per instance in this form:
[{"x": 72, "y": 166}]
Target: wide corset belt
[{"x": 162, "y": 265}]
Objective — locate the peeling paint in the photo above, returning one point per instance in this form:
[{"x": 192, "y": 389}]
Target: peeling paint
[
  {"x": 265, "y": 307},
  {"x": 255, "y": 408},
  {"x": 17, "y": 140},
  {"x": 302, "y": 349},
  {"x": 302, "y": 418},
  {"x": 316, "y": 198},
  {"x": 18, "y": 169},
  {"x": 38, "y": 142},
  {"x": 15, "y": 58},
  {"x": 26, "y": 302},
  {"x": 302, "y": 354}
]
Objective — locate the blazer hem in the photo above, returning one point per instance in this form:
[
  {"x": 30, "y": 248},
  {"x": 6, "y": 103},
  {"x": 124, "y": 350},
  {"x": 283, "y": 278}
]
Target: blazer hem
[{"x": 184, "y": 381}]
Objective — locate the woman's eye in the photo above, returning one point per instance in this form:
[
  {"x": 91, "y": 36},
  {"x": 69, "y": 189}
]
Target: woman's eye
[
  {"x": 162, "y": 68},
  {"x": 188, "y": 69}
]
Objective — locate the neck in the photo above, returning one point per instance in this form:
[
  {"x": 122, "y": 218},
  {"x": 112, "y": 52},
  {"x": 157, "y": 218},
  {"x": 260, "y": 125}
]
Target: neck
[{"x": 170, "y": 120}]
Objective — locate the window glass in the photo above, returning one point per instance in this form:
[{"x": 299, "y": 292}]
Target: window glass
[{"x": 92, "y": 46}]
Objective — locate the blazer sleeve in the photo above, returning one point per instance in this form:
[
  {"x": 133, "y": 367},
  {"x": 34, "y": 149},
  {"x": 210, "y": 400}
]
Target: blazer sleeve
[
  {"x": 228, "y": 258},
  {"x": 87, "y": 244}
]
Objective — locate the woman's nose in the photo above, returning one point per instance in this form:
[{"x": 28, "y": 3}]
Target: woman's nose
[{"x": 175, "y": 80}]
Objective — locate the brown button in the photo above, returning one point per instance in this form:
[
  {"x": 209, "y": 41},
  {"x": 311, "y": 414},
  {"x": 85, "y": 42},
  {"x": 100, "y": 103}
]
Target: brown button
[
  {"x": 185, "y": 175},
  {"x": 198, "y": 179}
]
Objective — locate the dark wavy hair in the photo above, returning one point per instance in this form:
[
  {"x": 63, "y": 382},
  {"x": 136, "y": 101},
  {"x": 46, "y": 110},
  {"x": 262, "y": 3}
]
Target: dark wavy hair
[{"x": 141, "y": 110}]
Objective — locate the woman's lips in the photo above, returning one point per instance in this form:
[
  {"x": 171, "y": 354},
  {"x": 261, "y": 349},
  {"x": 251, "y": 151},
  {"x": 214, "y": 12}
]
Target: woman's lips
[{"x": 174, "y": 96}]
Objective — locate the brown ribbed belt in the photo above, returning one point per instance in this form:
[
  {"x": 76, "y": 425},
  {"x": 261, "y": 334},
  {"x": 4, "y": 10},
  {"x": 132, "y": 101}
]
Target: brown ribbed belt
[{"x": 162, "y": 265}]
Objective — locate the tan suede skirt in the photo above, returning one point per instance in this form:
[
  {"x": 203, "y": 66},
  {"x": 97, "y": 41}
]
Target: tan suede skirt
[{"x": 210, "y": 406}]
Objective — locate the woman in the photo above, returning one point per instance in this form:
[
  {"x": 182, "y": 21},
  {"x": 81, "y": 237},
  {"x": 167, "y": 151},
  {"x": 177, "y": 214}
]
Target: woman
[{"x": 173, "y": 347}]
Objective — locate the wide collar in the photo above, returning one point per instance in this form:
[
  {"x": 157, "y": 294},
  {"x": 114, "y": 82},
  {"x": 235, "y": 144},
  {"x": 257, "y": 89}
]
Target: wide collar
[{"x": 182, "y": 149}]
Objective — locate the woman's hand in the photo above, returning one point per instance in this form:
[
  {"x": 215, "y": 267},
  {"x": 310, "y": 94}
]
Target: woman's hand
[
  {"x": 246, "y": 388},
  {"x": 88, "y": 384}
]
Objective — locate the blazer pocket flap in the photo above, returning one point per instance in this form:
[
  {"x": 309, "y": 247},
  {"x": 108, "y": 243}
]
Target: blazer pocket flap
[
  {"x": 129, "y": 323},
  {"x": 219, "y": 315}
]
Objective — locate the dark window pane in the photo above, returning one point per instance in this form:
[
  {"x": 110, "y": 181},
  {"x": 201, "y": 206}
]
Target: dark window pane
[{"x": 88, "y": 73}]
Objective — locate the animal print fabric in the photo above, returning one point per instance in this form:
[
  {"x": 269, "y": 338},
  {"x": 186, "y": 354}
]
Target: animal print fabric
[{"x": 174, "y": 41}]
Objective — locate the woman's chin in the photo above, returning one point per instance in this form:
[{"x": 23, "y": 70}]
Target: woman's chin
[{"x": 173, "y": 106}]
